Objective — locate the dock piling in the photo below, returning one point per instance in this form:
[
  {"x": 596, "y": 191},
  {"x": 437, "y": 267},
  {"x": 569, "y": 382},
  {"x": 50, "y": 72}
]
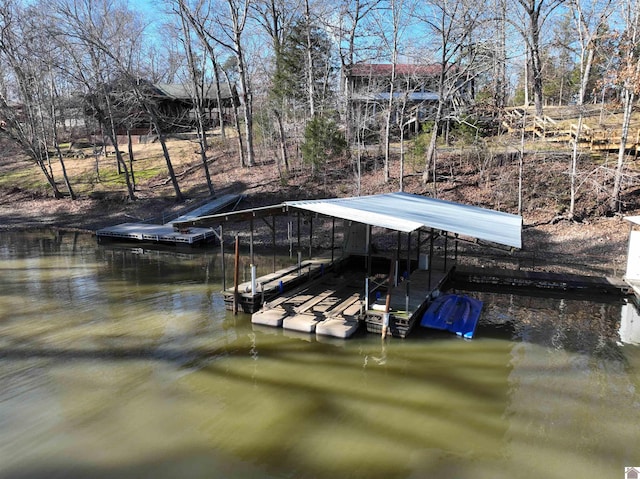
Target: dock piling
[{"x": 236, "y": 275}]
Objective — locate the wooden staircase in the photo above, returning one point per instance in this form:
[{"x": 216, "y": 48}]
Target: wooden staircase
[{"x": 595, "y": 139}]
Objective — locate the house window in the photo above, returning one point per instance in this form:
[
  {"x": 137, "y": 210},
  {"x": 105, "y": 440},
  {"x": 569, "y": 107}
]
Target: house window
[{"x": 632, "y": 474}]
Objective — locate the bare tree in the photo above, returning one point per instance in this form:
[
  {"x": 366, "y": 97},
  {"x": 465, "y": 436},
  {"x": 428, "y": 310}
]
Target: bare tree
[
  {"x": 588, "y": 19},
  {"x": 536, "y": 13},
  {"x": 29, "y": 105},
  {"x": 393, "y": 22},
  {"x": 349, "y": 28},
  {"x": 198, "y": 90},
  {"x": 107, "y": 32},
  {"x": 215, "y": 28},
  {"x": 628, "y": 77},
  {"x": 276, "y": 18},
  {"x": 451, "y": 24}
]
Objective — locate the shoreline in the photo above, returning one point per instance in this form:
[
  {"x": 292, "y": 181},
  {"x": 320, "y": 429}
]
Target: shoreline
[{"x": 596, "y": 246}]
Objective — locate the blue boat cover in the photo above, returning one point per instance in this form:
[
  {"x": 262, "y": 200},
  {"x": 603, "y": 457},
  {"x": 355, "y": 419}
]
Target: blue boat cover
[{"x": 452, "y": 312}]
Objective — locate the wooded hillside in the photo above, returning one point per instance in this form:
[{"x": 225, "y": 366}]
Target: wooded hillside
[{"x": 344, "y": 98}]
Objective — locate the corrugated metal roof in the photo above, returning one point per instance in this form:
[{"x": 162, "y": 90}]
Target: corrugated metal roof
[
  {"x": 184, "y": 91},
  {"x": 406, "y": 212},
  {"x": 385, "y": 69}
]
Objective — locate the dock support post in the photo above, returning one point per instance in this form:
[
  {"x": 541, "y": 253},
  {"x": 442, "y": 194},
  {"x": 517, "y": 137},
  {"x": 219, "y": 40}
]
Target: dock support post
[
  {"x": 408, "y": 278},
  {"x": 253, "y": 280},
  {"x": 224, "y": 269},
  {"x": 430, "y": 256},
  {"x": 456, "y": 253},
  {"x": 366, "y": 293},
  {"x": 368, "y": 241},
  {"x": 310, "y": 236},
  {"x": 333, "y": 236},
  {"x": 446, "y": 250},
  {"x": 387, "y": 304},
  {"x": 397, "y": 275},
  {"x": 251, "y": 241},
  {"x": 236, "y": 275}
]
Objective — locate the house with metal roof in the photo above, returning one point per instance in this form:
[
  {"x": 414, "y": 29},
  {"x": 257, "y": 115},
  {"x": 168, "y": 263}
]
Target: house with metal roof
[
  {"x": 177, "y": 101},
  {"x": 413, "y": 88}
]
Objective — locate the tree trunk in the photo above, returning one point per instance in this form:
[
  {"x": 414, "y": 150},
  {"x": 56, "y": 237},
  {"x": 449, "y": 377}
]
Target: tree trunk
[
  {"x": 165, "y": 152},
  {"x": 246, "y": 102},
  {"x": 216, "y": 76},
  {"x": 310, "y": 70},
  {"x": 113, "y": 136},
  {"x": 236, "y": 122},
  {"x": 130, "y": 150},
  {"x": 431, "y": 150},
  {"x": 283, "y": 140},
  {"x": 616, "y": 204},
  {"x": 574, "y": 163},
  {"x": 65, "y": 176}
]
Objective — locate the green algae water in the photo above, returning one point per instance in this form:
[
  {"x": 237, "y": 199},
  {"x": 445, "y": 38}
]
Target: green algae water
[{"x": 123, "y": 362}]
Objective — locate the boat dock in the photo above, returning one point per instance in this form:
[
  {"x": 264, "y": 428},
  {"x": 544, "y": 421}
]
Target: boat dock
[
  {"x": 418, "y": 222},
  {"x": 336, "y": 304},
  {"x": 167, "y": 233}
]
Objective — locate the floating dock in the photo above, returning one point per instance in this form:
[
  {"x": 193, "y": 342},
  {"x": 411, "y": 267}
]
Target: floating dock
[
  {"x": 335, "y": 304},
  {"x": 167, "y": 233},
  {"x": 154, "y": 233},
  {"x": 328, "y": 306}
]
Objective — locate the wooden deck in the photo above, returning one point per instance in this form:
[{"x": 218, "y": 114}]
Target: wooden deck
[
  {"x": 271, "y": 285},
  {"x": 405, "y": 309}
]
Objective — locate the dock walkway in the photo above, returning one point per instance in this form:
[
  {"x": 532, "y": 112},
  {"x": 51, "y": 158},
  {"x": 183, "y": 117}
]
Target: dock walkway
[{"x": 541, "y": 280}]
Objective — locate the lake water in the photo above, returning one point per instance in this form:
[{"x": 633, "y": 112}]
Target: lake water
[{"x": 122, "y": 362}]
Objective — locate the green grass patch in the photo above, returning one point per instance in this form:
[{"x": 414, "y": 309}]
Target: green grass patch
[{"x": 30, "y": 178}]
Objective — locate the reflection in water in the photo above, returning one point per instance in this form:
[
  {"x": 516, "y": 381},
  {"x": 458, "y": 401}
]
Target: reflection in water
[{"x": 123, "y": 362}]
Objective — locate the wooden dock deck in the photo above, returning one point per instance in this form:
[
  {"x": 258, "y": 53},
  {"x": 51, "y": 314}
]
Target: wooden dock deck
[
  {"x": 276, "y": 283},
  {"x": 405, "y": 310},
  {"x": 334, "y": 304}
]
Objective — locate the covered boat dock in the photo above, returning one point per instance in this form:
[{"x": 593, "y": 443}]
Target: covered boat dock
[{"x": 394, "y": 289}]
